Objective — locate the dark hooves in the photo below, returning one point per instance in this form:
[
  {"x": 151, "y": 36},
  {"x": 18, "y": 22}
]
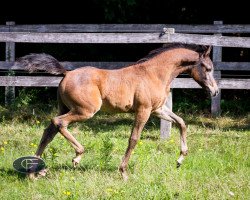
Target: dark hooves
[{"x": 178, "y": 165}]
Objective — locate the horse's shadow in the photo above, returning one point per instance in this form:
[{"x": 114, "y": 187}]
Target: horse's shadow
[
  {"x": 56, "y": 168},
  {"x": 83, "y": 167},
  {"x": 106, "y": 123},
  {"x": 12, "y": 173}
]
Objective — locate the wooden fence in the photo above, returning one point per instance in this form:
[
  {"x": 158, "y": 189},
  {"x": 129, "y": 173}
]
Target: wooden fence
[{"x": 126, "y": 33}]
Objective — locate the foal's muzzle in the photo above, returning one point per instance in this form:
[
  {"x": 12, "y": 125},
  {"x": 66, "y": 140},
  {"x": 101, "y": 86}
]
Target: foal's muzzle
[
  {"x": 211, "y": 86},
  {"x": 215, "y": 93},
  {"x": 213, "y": 90}
]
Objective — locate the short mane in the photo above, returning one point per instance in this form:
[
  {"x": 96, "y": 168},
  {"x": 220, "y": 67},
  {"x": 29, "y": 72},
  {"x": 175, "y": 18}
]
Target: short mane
[{"x": 170, "y": 46}]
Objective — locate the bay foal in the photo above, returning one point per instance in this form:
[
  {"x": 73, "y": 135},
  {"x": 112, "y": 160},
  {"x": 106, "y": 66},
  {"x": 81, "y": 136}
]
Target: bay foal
[{"x": 141, "y": 88}]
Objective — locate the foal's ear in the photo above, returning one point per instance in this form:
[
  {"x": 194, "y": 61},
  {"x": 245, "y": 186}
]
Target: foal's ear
[{"x": 207, "y": 52}]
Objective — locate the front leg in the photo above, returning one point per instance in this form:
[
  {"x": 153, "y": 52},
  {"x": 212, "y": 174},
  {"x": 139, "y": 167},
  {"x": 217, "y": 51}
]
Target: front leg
[
  {"x": 140, "y": 120},
  {"x": 166, "y": 114}
]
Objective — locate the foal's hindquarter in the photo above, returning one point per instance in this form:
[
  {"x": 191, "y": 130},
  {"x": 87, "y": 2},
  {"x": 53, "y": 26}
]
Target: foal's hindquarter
[{"x": 141, "y": 88}]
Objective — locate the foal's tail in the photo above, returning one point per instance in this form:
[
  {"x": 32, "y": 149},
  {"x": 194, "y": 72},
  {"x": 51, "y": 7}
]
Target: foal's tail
[{"x": 44, "y": 62}]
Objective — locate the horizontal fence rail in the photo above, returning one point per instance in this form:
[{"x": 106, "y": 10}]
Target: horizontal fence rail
[
  {"x": 112, "y": 38},
  {"x": 51, "y": 81},
  {"x": 225, "y": 66},
  {"x": 127, "y": 28}
]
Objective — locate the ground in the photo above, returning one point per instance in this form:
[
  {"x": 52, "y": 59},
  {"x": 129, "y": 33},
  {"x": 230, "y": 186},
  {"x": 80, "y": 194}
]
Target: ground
[{"x": 217, "y": 166}]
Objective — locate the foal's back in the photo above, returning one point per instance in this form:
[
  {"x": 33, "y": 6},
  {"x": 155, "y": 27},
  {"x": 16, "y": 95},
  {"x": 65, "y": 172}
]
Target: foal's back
[{"x": 95, "y": 89}]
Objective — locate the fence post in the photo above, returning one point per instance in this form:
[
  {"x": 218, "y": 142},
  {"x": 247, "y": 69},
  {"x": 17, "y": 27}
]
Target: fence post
[
  {"x": 165, "y": 126},
  {"x": 216, "y": 101},
  {"x": 9, "y": 57}
]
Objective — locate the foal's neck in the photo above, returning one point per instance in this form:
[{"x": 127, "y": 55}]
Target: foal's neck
[{"x": 170, "y": 64}]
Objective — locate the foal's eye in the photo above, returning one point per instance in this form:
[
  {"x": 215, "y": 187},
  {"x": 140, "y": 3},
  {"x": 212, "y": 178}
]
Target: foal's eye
[{"x": 208, "y": 68}]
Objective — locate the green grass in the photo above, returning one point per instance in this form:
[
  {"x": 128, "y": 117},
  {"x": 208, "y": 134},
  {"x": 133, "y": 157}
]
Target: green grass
[{"x": 217, "y": 167}]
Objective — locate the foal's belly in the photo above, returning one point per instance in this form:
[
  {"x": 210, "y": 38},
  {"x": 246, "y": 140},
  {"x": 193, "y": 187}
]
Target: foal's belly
[{"x": 114, "y": 106}]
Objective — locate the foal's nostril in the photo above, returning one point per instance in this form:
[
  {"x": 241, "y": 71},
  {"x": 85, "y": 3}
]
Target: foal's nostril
[{"x": 216, "y": 92}]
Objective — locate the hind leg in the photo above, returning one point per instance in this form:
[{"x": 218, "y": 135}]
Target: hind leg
[
  {"x": 83, "y": 102},
  {"x": 50, "y": 131},
  {"x": 48, "y": 135},
  {"x": 63, "y": 121}
]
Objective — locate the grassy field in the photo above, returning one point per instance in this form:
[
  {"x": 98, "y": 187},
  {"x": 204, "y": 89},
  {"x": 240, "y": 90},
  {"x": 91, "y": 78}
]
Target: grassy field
[{"x": 217, "y": 167}]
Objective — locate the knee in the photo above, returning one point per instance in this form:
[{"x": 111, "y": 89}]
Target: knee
[
  {"x": 184, "y": 152},
  {"x": 58, "y": 123}
]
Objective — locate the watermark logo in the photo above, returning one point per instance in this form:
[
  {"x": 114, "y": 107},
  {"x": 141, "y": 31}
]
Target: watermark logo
[{"x": 29, "y": 164}]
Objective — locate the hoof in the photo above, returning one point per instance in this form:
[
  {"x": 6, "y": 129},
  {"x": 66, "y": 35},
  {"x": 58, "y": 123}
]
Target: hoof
[
  {"x": 42, "y": 173},
  {"x": 123, "y": 173},
  {"x": 178, "y": 164},
  {"x": 125, "y": 177},
  {"x": 75, "y": 162},
  {"x": 32, "y": 176}
]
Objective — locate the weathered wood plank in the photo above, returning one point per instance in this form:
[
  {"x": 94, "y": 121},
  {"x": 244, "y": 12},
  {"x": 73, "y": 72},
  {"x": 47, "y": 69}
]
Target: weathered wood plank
[
  {"x": 234, "y": 83},
  {"x": 225, "y": 66},
  {"x": 214, "y": 40},
  {"x": 230, "y": 66},
  {"x": 9, "y": 57},
  {"x": 52, "y": 81},
  {"x": 101, "y": 65},
  {"x": 122, "y": 28},
  {"x": 215, "y": 101},
  {"x": 165, "y": 126},
  {"x": 184, "y": 83},
  {"x": 225, "y": 83},
  {"x": 72, "y": 65},
  {"x": 30, "y": 81},
  {"x": 110, "y": 38}
]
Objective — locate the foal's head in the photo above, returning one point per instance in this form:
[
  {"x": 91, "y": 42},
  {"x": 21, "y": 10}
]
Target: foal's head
[{"x": 202, "y": 73}]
